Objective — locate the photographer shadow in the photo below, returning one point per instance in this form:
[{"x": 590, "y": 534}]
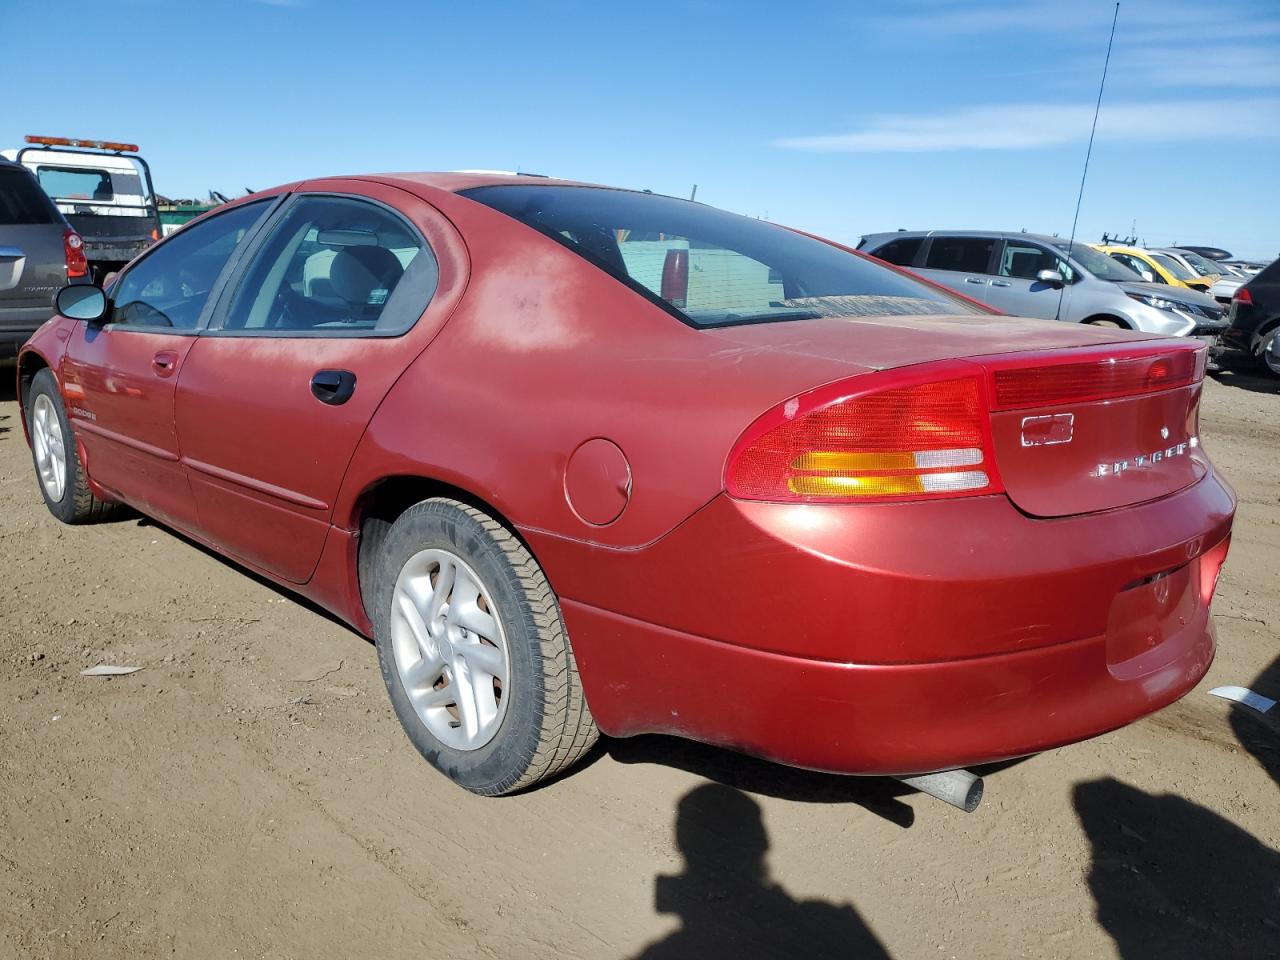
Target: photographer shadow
[
  {"x": 726, "y": 901},
  {"x": 1172, "y": 879}
]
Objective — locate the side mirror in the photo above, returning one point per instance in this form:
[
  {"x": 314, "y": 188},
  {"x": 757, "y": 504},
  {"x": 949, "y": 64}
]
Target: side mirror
[
  {"x": 81, "y": 301},
  {"x": 1052, "y": 277}
]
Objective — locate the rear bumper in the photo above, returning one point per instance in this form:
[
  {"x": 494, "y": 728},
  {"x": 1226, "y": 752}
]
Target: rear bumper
[
  {"x": 896, "y": 638},
  {"x": 871, "y": 718}
]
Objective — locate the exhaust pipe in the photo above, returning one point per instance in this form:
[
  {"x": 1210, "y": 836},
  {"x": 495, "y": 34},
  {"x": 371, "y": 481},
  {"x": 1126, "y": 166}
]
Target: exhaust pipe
[{"x": 960, "y": 788}]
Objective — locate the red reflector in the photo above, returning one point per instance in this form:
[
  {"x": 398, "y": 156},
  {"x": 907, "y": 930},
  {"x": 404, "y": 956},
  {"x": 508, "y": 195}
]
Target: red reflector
[
  {"x": 73, "y": 251},
  {"x": 1052, "y": 384},
  {"x": 901, "y": 443},
  {"x": 1243, "y": 296}
]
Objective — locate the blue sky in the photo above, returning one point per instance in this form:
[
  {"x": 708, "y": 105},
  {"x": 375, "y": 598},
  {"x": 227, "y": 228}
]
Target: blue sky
[{"x": 842, "y": 118}]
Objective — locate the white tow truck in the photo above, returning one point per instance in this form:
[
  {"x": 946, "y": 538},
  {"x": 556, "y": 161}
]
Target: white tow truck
[{"x": 104, "y": 190}]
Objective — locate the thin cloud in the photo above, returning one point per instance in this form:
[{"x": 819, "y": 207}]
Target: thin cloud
[
  {"x": 1219, "y": 66},
  {"x": 1033, "y": 126}
]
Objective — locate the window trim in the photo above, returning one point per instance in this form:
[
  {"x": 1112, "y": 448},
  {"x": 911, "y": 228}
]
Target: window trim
[
  {"x": 215, "y": 291},
  {"x": 227, "y": 295},
  {"x": 926, "y": 251}
]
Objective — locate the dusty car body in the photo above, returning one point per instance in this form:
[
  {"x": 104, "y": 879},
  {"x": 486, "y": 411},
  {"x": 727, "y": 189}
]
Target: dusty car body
[{"x": 721, "y": 479}]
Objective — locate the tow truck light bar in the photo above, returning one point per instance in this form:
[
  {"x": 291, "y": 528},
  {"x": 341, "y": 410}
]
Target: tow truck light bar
[{"x": 92, "y": 144}]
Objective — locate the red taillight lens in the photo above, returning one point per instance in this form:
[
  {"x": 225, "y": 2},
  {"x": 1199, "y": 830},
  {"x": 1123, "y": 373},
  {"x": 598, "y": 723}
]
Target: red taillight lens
[
  {"x": 1080, "y": 382},
  {"x": 897, "y": 443},
  {"x": 73, "y": 249},
  {"x": 1243, "y": 296}
]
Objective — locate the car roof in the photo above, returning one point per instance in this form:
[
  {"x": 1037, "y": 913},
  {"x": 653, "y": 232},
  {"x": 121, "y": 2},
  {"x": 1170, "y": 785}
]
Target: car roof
[
  {"x": 455, "y": 181},
  {"x": 983, "y": 234}
]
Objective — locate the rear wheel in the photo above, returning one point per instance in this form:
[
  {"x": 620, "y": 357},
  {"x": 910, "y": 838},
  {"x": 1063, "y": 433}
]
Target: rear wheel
[
  {"x": 473, "y": 651},
  {"x": 56, "y": 456},
  {"x": 1269, "y": 353},
  {"x": 1106, "y": 322}
]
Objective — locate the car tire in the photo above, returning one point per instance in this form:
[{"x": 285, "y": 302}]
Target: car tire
[
  {"x": 474, "y": 652},
  {"x": 1115, "y": 324},
  {"x": 56, "y": 457},
  {"x": 1269, "y": 352}
]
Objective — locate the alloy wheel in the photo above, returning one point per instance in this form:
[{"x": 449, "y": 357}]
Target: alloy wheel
[
  {"x": 50, "y": 449},
  {"x": 450, "y": 649},
  {"x": 1271, "y": 353}
]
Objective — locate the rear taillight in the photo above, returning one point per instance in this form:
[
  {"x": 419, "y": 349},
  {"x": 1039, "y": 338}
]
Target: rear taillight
[
  {"x": 73, "y": 250},
  {"x": 1074, "y": 381},
  {"x": 1243, "y": 296},
  {"x": 870, "y": 439}
]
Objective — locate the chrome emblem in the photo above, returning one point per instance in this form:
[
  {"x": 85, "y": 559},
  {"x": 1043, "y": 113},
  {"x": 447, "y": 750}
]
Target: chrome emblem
[
  {"x": 1117, "y": 467},
  {"x": 1164, "y": 433}
]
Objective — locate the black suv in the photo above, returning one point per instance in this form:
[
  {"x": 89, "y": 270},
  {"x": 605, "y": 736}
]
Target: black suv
[{"x": 1255, "y": 318}]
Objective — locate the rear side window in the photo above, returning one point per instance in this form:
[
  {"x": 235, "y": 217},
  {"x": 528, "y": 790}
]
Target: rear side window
[
  {"x": 901, "y": 252},
  {"x": 22, "y": 203},
  {"x": 962, "y": 254},
  {"x": 338, "y": 267},
  {"x": 709, "y": 267}
]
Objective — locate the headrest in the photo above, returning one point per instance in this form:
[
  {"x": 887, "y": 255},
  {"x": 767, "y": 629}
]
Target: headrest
[{"x": 364, "y": 275}]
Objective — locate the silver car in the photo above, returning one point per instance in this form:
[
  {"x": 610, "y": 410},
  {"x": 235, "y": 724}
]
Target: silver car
[
  {"x": 39, "y": 253},
  {"x": 1031, "y": 275}
]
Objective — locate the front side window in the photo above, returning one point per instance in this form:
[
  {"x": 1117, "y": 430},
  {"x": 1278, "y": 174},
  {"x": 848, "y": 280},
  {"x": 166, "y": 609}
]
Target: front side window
[
  {"x": 170, "y": 286},
  {"x": 1025, "y": 260},
  {"x": 961, "y": 254},
  {"x": 335, "y": 266},
  {"x": 1144, "y": 270},
  {"x": 709, "y": 267}
]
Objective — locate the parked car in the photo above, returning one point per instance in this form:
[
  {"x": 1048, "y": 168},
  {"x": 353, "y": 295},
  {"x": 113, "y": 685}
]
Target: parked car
[
  {"x": 1032, "y": 275},
  {"x": 585, "y": 459},
  {"x": 104, "y": 190},
  {"x": 1194, "y": 263},
  {"x": 1224, "y": 279},
  {"x": 1255, "y": 318},
  {"x": 39, "y": 253},
  {"x": 1155, "y": 267},
  {"x": 1209, "y": 253}
]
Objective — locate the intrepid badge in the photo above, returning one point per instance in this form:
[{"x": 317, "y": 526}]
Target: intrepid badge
[{"x": 1117, "y": 467}]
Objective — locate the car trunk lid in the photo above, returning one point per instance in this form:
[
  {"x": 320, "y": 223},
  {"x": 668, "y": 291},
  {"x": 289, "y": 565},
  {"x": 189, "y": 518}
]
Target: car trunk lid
[
  {"x": 1096, "y": 428},
  {"x": 1083, "y": 419}
]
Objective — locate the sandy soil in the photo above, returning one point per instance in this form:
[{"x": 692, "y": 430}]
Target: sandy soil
[{"x": 249, "y": 794}]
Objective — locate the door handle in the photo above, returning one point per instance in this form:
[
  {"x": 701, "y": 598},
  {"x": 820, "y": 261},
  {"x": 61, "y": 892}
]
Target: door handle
[
  {"x": 977, "y": 280},
  {"x": 333, "y": 386},
  {"x": 164, "y": 363},
  {"x": 1001, "y": 283}
]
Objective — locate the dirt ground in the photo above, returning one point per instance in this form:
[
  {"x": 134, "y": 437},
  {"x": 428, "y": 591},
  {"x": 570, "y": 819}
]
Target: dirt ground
[{"x": 249, "y": 793}]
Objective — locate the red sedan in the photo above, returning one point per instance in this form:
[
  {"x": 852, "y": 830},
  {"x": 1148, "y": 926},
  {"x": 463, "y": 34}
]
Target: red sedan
[{"x": 583, "y": 459}]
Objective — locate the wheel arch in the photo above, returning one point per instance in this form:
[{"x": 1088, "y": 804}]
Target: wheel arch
[
  {"x": 1260, "y": 335},
  {"x": 30, "y": 362},
  {"x": 381, "y": 501},
  {"x": 1110, "y": 318}
]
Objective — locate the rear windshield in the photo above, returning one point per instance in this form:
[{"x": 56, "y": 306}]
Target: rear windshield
[
  {"x": 21, "y": 201},
  {"x": 90, "y": 184},
  {"x": 712, "y": 268}
]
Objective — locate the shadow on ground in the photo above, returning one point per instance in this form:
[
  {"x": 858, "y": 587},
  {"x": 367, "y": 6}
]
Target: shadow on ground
[
  {"x": 1174, "y": 880},
  {"x": 727, "y": 903},
  {"x": 1246, "y": 373},
  {"x": 879, "y": 795},
  {"x": 1261, "y": 740}
]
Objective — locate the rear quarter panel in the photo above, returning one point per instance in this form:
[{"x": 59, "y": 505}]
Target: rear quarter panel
[{"x": 545, "y": 352}]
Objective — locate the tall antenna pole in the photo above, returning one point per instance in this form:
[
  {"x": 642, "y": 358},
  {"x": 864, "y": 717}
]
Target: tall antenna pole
[{"x": 1089, "y": 152}]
